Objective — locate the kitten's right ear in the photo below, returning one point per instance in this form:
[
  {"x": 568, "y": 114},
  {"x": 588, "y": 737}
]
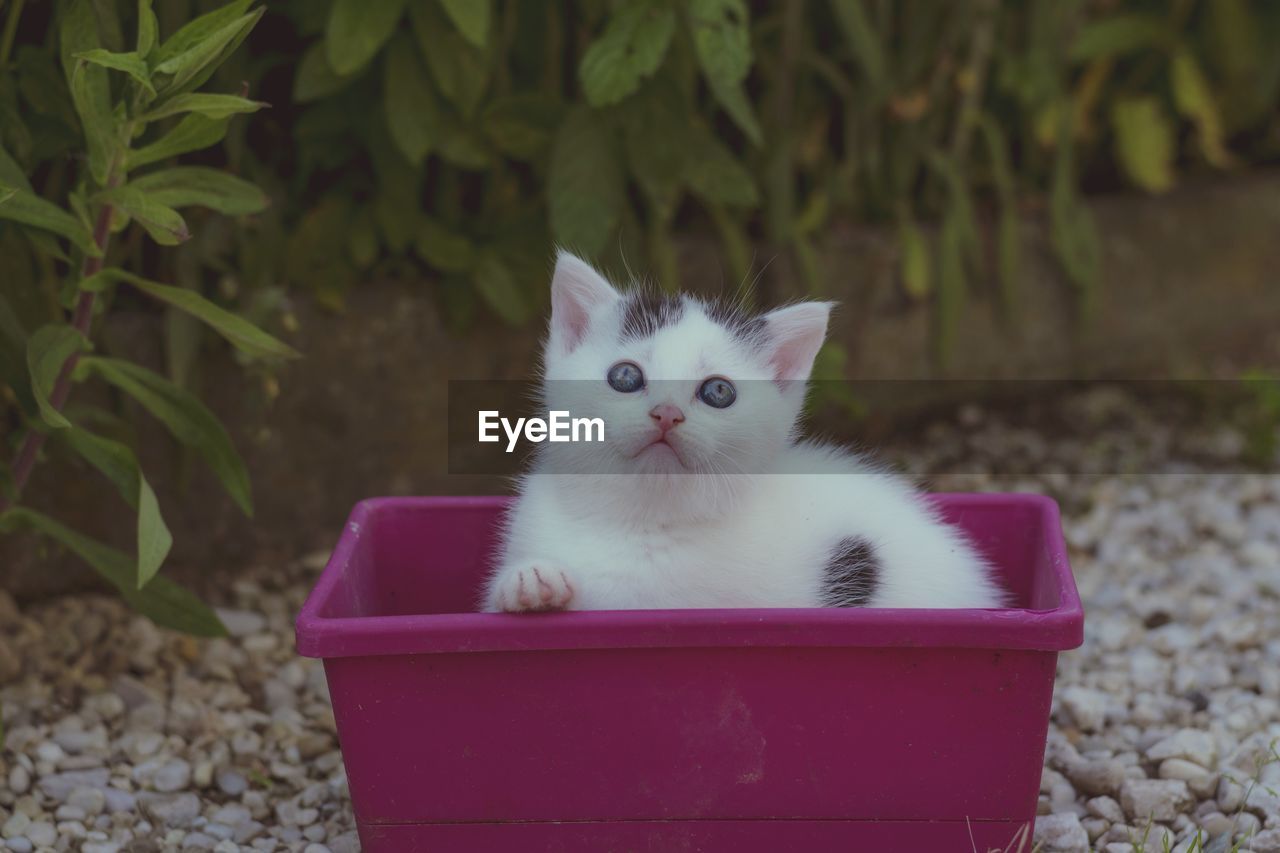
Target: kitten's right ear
[{"x": 577, "y": 292}]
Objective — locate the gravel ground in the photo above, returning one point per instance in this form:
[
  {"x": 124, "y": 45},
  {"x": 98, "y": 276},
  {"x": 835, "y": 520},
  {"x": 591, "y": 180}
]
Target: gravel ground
[{"x": 120, "y": 736}]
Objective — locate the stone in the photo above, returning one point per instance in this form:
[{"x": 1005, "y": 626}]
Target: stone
[
  {"x": 19, "y": 779},
  {"x": 1201, "y": 781},
  {"x": 16, "y": 825},
  {"x": 1061, "y": 833},
  {"x": 347, "y": 842},
  {"x": 91, "y": 801},
  {"x": 58, "y": 786},
  {"x": 1189, "y": 744},
  {"x": 172, "y": 810},
  {"x": 1154, "y": 799},
  {"x": 117, "y": 801},
  {"x": 232, "y": 783},
  {"x": 174, "y": 775},
  {"x": 1096, "y": 777},
  {"x": 247, "y": 831},
  {"x": 1087, "y": 707},
  {"x": 1267, "y": 841},
  {"x": 42, "y": 834},
  {"x": 242, "y": 623},
  {"x": 198, "y": 841},
  {"x": 1106, "y": 808}
]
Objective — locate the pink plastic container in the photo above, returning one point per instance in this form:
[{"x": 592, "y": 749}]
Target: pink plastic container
[{"x": 683, "y": 730}]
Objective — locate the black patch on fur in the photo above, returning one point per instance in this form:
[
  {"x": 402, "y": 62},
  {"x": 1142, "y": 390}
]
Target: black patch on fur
[
  {"x": 851, "y": 575},
  {"x": 645, "y": 312},
  {"x": 739, "y": 323}
]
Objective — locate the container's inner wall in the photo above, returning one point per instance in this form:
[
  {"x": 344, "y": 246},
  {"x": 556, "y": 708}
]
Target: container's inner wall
[{"x": 454, "y": 547}]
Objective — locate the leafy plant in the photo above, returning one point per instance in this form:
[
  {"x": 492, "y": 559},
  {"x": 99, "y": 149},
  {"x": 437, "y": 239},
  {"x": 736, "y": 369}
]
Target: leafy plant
[
  {"x": 463, "y": 139},
  {"x": 126, "y": 113}
]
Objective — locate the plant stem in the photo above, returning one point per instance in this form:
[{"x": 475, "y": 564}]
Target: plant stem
[
  {"x": 80, "y": 320},
  {"x": 10, "y": 31}
]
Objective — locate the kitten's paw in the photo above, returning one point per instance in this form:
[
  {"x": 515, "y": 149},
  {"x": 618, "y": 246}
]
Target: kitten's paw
[{"x": 531, "y": 587}]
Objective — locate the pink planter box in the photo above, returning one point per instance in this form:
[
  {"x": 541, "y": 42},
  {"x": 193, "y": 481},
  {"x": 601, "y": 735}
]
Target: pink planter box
[{"x": 684, "y": 730}]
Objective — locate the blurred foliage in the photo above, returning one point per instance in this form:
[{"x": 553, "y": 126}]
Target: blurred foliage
[
  {"x": 464, "y": 138},
  {"x": 93, "y": 123},
  {"x": 458, "y": 140},
  {"x": 455, "y": 142}
]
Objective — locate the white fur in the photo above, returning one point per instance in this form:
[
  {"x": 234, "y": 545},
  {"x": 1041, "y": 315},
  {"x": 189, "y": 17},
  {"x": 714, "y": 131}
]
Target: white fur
[{"x": 738, "y": 512}]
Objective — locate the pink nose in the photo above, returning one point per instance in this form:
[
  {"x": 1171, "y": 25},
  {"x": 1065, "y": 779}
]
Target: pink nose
[{"x": 666, "y": 416}]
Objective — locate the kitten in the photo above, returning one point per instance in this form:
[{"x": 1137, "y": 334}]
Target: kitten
[{"x": 701, "y": 494}]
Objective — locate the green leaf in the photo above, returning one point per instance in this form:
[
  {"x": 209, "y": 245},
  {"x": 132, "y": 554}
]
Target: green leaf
[
  {"x": 162, "y": 601},
  {"x": 460, "y": 69},
  {"x": 77, "y": 31},
  {"x": 723, "y": 46},
  {"x": 734, "y": 100},
  {"x": 864, "y": 43},
  {"x": 148, "y": 28},
  {"x": 192, "y": 67},
  {"x": 208, "y": 105},
  {"x": 185, "y": 416},
  {"x": 1195, "y": 100},
  {"x": 1144, "y": 142},
  {"x": 192, "y": 133},
  {"x": 1071, "y": 227},
  {"x": 20, "y": 205},
  {"x": 444, "y": 249},
  {"x": 165, "y": 225},
  {"x": 412, "y": 112},
  {"x": 92, "y": 101},
  {"x": 199, "y": 29},
  {"x": 119, "y": 465},
  {"x": 632, "y": 47},
  {"x": 357, "y": 28},
  {"x": 715, "y": 174},
  {"x": 129, "y": 63},
  {"x": 113, "y": 459},
  {"x": 521, "y": 126},
  {"x": 1002, "y": 176},
  {"x": 12, "y": 174},
  {"x": 48, "y": 349},
  {"x": 245, "y": 336},
  {"x": 1118, "y": 35},
  {"x": 914, "y": 257},
  {"x": 951, "y": 284},
  {"x": 154, "y": 538},
  {"x": 187, "y": 186},
  {"x": 362, "y": 240},
  {"x": 584, "y": 186},
  {"x": 499, "y": 289},
  {"x": 655, "y": 136},
  {"x": 471, "y": 17},
  {"x": 315, "y": 78}
]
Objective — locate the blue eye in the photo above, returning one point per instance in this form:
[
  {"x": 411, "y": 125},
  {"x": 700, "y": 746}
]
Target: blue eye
[
  {"x": 626, "y": 377},
  {"x": 718, "y": 392}
]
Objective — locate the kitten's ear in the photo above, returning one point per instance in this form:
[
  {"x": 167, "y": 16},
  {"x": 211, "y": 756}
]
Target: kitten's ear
[
  {"x": 793, "y": 336},
  {"x": 577, "y": 292}
]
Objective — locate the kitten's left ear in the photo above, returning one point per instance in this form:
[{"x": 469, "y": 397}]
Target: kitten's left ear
[
  {"x": 577, "y": 292},
  {"x": 793, "y": 336}
]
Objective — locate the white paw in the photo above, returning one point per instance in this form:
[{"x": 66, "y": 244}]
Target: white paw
[{"x": 531, "y": 587}]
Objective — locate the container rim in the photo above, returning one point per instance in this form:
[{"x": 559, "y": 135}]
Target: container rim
[{"x": 1057, "y": 629}]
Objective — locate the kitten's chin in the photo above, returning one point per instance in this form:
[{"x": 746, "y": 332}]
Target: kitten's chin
[{"x": 659, "y": 457}]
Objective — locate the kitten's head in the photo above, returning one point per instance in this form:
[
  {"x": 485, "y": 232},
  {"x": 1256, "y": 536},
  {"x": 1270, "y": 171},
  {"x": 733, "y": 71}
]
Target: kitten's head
[{"x": 684, "y": 386}]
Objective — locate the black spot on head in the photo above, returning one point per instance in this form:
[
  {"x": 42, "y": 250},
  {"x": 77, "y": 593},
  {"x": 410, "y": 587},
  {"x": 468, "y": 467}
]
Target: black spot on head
[
  {"x": 645, "y": 312},
  {"x": 852, "y": 574},
  {"x": 739, "y": 323}
]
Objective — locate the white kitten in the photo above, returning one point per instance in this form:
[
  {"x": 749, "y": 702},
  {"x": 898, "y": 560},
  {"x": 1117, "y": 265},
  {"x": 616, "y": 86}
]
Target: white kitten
[{"x": 701, "y": 495}]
